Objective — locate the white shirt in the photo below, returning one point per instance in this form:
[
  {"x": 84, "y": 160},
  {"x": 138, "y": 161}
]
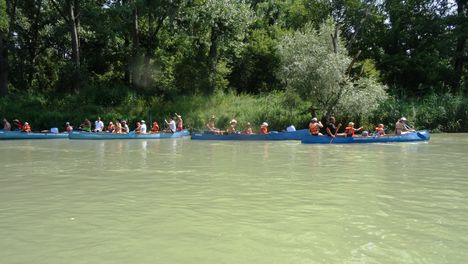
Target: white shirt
[
  {"x": 98, "y": 125},
  {"x": 143, "y": 128},
  {"x": 291, "y": 128},
  {"x": 172, "y": 126}
]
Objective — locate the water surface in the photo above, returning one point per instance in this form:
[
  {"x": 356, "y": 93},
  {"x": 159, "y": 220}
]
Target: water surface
[{"x": 183, "y": 201}]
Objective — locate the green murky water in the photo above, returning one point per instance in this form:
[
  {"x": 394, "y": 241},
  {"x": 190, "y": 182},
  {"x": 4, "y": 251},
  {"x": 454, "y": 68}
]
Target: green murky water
[{"x": 182, "y": 201}]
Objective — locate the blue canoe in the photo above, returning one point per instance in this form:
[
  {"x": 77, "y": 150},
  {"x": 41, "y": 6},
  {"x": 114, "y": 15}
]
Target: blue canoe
[
  {"x": 422, "y": 135},
  {"x": 30, "y": 135},
  {"x": 131, "y": 135},
  {"x": 296, "y": 135}
]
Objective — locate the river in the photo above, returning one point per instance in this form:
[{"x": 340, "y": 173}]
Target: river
[{"x": 183, "y": 201}]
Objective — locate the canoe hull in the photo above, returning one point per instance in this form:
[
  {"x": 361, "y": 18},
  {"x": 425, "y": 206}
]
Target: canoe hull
[
  {"x": 111, "y": 136},
  {"x": 31, "y": 135},
  {"x": 296, "y": 135},
  {"x": 422, "y": 135}
]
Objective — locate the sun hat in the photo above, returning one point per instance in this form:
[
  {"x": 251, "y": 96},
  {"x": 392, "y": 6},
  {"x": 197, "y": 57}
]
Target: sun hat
[
  {"x": 142, "y": 121},
  {"x": 264, "y": 124},
  {"x": 314, "y": 119},
  {"x": 403, "y": 119},
  {"x": 233, "y": 121},
  {"x": 350, "y": 124},
  {"x": 67, "y": 123}
]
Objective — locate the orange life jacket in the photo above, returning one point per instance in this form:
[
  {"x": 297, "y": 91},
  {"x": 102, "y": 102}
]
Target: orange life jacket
[
  {"x": 263, "y": 130},
  {"x": 155, "y": 128},
  {"x": 349, "y": 131},
  {"x": 379, "y": 131},
  {"x": 314, "y": 128}
]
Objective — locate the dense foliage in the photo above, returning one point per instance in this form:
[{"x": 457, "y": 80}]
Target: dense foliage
[{"x": 75, "y": 58}]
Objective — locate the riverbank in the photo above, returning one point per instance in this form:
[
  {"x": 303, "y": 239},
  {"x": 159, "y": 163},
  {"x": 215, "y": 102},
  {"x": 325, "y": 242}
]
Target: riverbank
[{"x": 442, "y": 113}]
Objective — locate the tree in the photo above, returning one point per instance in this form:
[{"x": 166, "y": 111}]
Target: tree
[
  {"x": 70, "y": 12},
  {"x": 4, "y": 32},
  {"x": 224, "y": 23},
  {"x": 315, "y": 64}
]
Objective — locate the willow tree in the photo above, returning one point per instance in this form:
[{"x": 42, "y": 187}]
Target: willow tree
[{"x": 316, "y": 65}]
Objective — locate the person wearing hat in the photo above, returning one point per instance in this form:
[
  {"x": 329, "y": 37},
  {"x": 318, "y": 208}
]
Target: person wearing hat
[
  {"x": 232, "y": 127},
  {"x": 6, "y": 125},
  {"x": 171, "y": 125},
  {"x": 211, "y": 126},
  {"x": 143, "y": 128},
  {"x": 26, "y": 127},
  {"x": 350, "y": 130},
  {"x": 401, "y": 127},
  {"x": 248, "y": 129},
  {"x": 68, "y": 127},
  {"x": 264, "y": 128},
  {"x": 180, "y": 124},
  {"x": 315, "y": 126},
  {"x": 18, "y": 126}
]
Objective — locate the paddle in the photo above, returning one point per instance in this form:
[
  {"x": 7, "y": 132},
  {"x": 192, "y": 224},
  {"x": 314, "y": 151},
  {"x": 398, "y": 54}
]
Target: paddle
[{"x": 336, "y": 132}]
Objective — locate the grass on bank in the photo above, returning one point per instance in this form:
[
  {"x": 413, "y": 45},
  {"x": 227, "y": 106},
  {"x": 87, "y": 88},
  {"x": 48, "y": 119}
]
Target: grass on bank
[{"x": 442, "y": 113}]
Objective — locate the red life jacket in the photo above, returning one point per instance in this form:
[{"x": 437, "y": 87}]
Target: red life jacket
[
  {"x": 155, "y": 127},
  {"x": 349, "y": 131}
]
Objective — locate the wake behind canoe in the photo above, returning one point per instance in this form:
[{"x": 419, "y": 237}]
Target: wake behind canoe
[
  {"x": 111, "y": 136},
  {"x": 416, "y": 136}
]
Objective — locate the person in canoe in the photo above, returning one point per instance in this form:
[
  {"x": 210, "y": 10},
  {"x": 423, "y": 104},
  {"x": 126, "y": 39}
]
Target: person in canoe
[
  {"x": 125, "y": 128},
  {"x": 110, "y": 127},
  {"x": 6, "y": 125},
  {"x": 180, "y": 123},
  {"x": 380, "y": 130},
  {"x": 26, "y": 127},
  {"x": 143, "y": 127},
  {"x": 118, "y": 127},
  {"x": 211, "y": 126},
  {"x": 232, "y": 127},
  {"x": 315, "y": 126},
  {"x": 350, "y": 130},
  {"x": 264, "y": 128},
  {"x": 248, "y": 129},
  {"x": 171, "y": 125},
  {"x": 86, "y": 125},
  {"x": 401, "y": 127},
  {"x": 331, "y": 129},
  {"x": 98, "y": 125},
  {"x": 137, "y": 128},
  {"x": 155, "y": 127},
  {"x": 68, "y": 127},
  {"x": 17, "y": 125}
]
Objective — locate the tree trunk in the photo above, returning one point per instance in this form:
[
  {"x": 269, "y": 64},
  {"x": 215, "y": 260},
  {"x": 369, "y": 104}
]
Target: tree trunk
[
  {"x": 73, "y": 24},
  {"x": 459, "y": 58}
]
